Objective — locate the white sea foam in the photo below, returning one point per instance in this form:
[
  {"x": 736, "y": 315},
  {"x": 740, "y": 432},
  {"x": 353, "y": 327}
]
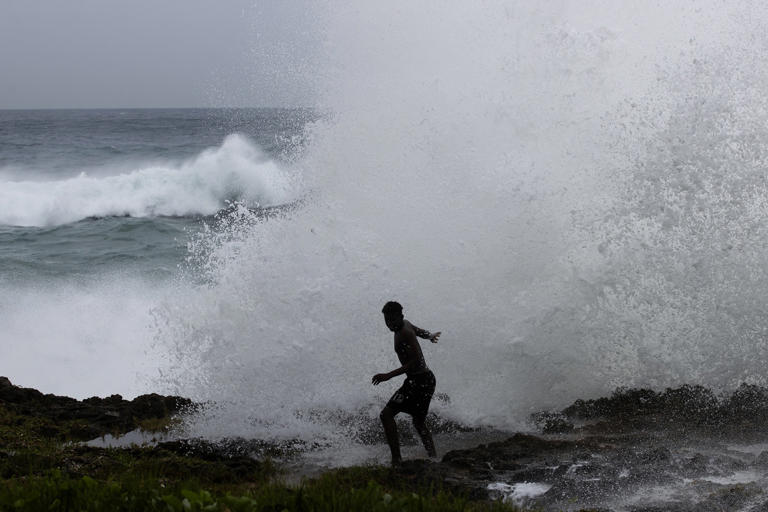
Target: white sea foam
[
  {"x": 519, "y": 493},
  {"x": 572, "y": 193},
  {"x": 81, "y": 339},
  {"x": 236, "y": 170}
]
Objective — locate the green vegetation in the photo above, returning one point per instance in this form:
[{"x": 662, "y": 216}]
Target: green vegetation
[{"x": 58, "y": 492}]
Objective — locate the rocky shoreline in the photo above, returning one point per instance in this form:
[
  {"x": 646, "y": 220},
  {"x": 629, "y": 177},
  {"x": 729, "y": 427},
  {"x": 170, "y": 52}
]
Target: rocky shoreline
[
  {"x": 65, "y": 418},
  {"x": 638, "y": 450},
  {"x": 683, "y": 449}
]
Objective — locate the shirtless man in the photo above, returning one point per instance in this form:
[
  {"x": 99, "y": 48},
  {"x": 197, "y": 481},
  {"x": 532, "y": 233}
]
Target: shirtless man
[{"x": 414, "y": 395}]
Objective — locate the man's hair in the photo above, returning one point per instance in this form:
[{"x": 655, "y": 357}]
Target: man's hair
[{"x": 392, "y": 308}]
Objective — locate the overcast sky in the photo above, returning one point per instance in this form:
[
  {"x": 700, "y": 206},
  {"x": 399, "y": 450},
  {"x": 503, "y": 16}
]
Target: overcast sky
[{"x": 156, "y": 53}]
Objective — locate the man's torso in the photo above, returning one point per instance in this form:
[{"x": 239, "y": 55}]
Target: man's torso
[{"x": 404, "y": 338}]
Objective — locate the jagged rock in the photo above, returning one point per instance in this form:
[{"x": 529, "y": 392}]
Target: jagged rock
[
  {"x": 696, "y": 465},
  {"x": 552, "y": 423},
  {"x": 762, "y": 459},
  {"x": 731, "y": 498},
  {"x": 687, "y": 408},
  {"x": 655, "y": 455},
  {"x": 235, "y": 447},
  {"x": 92, "y": 417}
]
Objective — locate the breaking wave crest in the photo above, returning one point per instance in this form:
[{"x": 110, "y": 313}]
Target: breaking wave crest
[{"x": 236, "y": 170}]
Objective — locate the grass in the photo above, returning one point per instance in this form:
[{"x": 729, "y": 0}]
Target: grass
[{"x": 59, "y": 492}]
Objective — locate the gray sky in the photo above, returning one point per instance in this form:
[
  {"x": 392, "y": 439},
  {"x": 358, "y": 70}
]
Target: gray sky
[{"x": 156, "y": 53}]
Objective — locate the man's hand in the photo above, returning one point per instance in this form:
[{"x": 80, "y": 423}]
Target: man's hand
[
  {"x": 379, "y": 377},
  {"x": 434, "y": 337}
]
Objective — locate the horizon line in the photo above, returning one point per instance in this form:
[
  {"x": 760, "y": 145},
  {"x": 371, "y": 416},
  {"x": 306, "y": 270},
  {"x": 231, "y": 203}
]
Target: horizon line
[{"x": 162, "y": 108}]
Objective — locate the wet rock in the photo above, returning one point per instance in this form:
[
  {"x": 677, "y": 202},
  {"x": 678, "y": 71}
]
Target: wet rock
[
  {"x": 762, "y": 459},
  {"x": 689, "y": 400},
  {"x": 552, "y": 423},
  {"x": 234, "y": 447},
  {"x": 634, "y": 443},
  {"x": 505, "y": 455},
  {"x": 655, "y": 456},
  {"x": 424, "y": 473},
  {"x": 89, "y": 418},
  {"x": 667, "y": 507},
  {"x": 684, "y": 409},
  {"x": 748, "y": 400},
  {"x": 532, "y": 473},
  {"x": 580, "y": 491},
  {"x": 727, "y": 464},
  {"x": 623, "y": 402},
  {"x": 695, "y": 466},
  {"x": 730, "y": 498}
]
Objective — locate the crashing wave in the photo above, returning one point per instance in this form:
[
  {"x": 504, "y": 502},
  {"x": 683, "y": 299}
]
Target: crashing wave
[{"x": 235, "y": 171}]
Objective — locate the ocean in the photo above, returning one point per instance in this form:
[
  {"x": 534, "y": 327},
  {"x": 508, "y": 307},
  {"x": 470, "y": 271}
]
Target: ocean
[
  {"x": 90, "y": 191},
  {"x": 97, "y": 209}
]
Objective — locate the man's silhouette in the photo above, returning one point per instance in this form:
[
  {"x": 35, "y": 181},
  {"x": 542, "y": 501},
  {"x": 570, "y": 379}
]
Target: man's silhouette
[{"x": 414, "y": 395}]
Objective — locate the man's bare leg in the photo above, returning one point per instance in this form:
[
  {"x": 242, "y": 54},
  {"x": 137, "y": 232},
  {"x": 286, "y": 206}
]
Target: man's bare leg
[
  {"x": 390, "y": 430},
  {"x": 426, "y": 436}
]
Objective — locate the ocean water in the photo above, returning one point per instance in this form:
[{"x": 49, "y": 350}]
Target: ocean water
[
  {"x": 97, "y": 208},
  {"x": 573, "y": 193}
]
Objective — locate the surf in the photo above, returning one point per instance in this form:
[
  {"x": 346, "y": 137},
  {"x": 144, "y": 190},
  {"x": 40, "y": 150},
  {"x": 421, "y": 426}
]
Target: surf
[{"x": 237, "y": 170}]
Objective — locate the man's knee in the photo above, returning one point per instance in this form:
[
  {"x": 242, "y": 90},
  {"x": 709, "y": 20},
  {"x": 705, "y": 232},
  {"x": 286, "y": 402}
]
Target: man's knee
[{"x": 386, "y": 414}]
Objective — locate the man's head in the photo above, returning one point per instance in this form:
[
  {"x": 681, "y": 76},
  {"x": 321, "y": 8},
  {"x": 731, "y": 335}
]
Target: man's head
[{"x": 393, "y": 315}]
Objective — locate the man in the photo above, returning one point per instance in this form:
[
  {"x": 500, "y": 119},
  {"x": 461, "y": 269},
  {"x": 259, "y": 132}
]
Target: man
[{"x": 414, "y": 395}]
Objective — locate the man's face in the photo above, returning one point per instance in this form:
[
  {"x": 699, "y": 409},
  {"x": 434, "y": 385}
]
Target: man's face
[{"x": 394, "y": 322}]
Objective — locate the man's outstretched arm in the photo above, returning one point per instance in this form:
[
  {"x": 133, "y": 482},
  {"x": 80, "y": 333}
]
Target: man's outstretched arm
[{"x": 424, "y": 334}]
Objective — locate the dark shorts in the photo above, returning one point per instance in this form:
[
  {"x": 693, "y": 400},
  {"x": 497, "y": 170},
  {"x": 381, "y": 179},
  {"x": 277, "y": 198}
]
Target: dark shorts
[{"x": 414, "y": 395}]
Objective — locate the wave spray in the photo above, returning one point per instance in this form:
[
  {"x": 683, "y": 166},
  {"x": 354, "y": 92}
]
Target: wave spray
[{"x": 574, "y": 194}]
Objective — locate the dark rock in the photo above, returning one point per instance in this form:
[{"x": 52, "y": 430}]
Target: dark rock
[
  {"x": 731, "y": 498},
  {"x": 684, "y": 408},
  {"x": 687, "y": 400},
  {"x": 552, "y": 423},
  {"x": 748, "y": 400},
  {"x": 762, "y": 459},
  {"x": 623, "y": 402},
  {"x": 655, "y": 456},
  {"x": 85, "y": 432},
  {"x": 94, "y": 416},
  {"x": 505, "y": 455},
  {"x": 235, "y": 447},
  {"x": 696, "y": 465},
  {"x": 431, "y": 474},
  {"x": 667, "y": 507}
]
